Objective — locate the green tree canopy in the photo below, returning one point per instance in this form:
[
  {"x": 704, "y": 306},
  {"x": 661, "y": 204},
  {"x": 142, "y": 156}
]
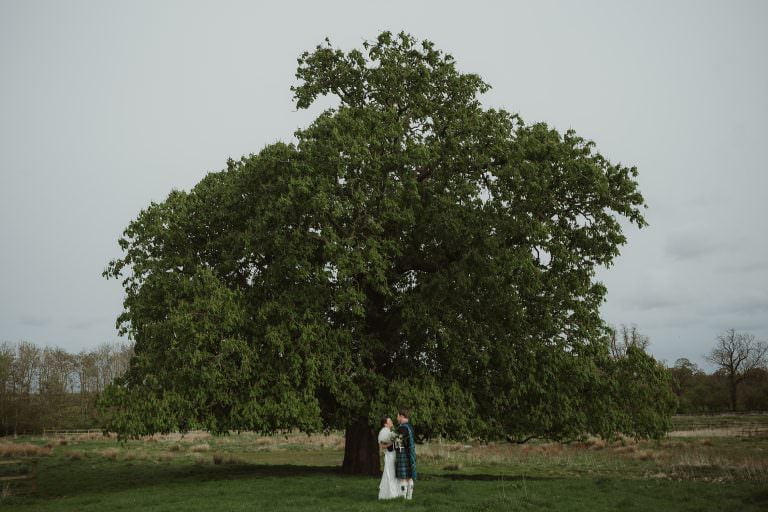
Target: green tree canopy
[{"x": 411, "y": 248}]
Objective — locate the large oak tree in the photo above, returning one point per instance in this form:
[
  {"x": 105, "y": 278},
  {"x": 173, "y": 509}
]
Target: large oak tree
[{"x": 411, "y": 248}]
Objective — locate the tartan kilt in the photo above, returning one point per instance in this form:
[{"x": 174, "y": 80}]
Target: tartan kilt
[{"x": 403, "y": 465}]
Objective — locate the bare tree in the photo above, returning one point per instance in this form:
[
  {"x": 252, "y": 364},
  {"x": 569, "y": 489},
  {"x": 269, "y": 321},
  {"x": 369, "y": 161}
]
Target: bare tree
[
  {"x": 7, "y": 358},
  {"x": 736, "y": 354},
  {"x": 25, "y": 380},
  {"x": 48, "y": 386},
  {"x": 625, "y": 337},
  {"x": 57, "y": 371}
]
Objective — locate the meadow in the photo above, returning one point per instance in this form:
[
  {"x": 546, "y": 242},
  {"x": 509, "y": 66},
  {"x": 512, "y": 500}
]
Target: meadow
[{"x": 707, "y": 463}]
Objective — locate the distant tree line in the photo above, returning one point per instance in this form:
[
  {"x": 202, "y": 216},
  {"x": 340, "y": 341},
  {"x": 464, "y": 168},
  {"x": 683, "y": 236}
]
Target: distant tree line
[
  {"x": 739, "y": 383},
  {"x": 52, "y": 388}
]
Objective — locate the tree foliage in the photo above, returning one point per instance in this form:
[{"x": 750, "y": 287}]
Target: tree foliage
[{"x": 411, "y": 247}]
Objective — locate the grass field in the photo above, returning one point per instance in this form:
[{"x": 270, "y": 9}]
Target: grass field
[{"x": 299, "y": 472}]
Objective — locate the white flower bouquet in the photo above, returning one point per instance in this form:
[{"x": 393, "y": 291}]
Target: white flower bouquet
[{"x": 397, "y": 441}]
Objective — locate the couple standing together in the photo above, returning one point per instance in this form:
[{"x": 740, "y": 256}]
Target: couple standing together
[{"x": 399, "y": 457}]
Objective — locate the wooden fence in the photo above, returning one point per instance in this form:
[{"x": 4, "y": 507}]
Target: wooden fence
[
  {"x": 18, "y": 477},
  {"x": 56, "y": 432}
]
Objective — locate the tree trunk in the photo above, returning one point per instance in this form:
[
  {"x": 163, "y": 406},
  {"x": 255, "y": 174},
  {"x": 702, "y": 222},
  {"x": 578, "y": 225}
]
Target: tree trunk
[{"x": 361, "y": 450}]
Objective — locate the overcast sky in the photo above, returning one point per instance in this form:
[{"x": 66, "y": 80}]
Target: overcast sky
[{"x": 106, "y": 106}]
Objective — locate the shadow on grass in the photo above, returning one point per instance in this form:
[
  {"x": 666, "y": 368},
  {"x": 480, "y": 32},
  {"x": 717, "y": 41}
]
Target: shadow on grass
[
  {"x": 489, "y": 478},
  {"x": 71, "y": 478},
  {"x": 61, "y": 477}
]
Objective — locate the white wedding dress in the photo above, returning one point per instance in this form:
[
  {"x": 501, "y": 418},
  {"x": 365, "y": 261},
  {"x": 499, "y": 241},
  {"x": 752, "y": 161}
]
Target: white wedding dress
[{"x": 389, "y": 487}]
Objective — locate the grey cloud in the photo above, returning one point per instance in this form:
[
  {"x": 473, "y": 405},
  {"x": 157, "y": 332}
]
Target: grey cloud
[
  {"x": 652, "y": 302},
  {"x": 678, "y": 319},
  {"x": 754, "y": 266},
  {"x": 735, "y": 302},
  {"x": 35, "y": 321},
  {"x": 79, "y": 325},
  {"x": 756, "y": 326},
  {"x": 747, "y": 306},
  {"x": 689, "y": 246}
]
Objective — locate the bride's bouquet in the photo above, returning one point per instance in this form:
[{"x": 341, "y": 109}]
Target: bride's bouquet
[{"x": 397, "y": 441}]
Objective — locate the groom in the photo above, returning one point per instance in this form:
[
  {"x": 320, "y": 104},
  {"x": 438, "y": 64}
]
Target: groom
[{"x": 405, "y": 458}]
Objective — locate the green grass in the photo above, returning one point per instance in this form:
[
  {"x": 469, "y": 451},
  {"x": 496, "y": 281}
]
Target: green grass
[{"x": 301, "y": 474}]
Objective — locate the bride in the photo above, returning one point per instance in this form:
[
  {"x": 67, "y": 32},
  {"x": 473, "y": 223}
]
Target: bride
[{"x": 389, "y": 486}]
